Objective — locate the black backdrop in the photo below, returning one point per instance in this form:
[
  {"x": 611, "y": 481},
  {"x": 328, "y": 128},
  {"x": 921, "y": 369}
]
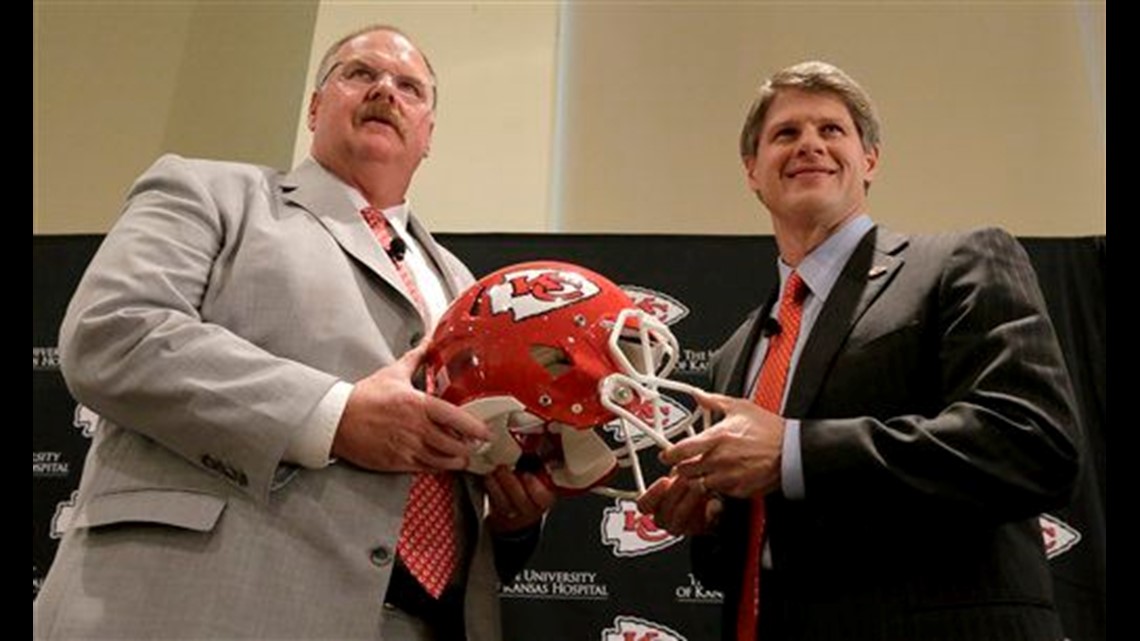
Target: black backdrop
[{"x": 603, "y": 571}]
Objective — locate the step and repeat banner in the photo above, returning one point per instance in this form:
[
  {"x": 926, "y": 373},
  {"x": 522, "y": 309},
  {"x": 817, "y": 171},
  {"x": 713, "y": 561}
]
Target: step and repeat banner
[{"x": 603, "y": 570}]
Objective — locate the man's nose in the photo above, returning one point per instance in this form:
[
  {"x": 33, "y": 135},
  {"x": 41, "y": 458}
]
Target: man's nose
[
  {"x": 383, "y": 87},
  {"x": 810, "y": 142}
]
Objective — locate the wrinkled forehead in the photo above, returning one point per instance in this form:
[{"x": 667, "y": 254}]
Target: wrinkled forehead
[{"x": 388, "y": 47}]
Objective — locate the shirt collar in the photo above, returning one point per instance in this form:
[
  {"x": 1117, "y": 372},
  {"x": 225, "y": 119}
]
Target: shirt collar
[
  {"x": 397, "y": 215},
  {"x": 821, "y": 268}
]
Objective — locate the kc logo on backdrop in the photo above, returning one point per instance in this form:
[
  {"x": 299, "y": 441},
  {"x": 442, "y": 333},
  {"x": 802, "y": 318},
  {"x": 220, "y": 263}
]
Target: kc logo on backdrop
[
  {"x": 1060, "y": 537},
  {"x": 630, "y": 628},
  {"x": 631, "y": 533}
]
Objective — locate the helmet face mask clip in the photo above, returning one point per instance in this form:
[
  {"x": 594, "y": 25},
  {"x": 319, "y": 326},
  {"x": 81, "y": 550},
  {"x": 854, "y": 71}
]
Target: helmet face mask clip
[{"x": 552, "y": 356}]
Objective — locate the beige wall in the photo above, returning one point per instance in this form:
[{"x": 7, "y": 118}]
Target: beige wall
[
  {"x": 989, "y": 114},
  {"x": 490, "y": 158},
  {"x": 582, "y": 117},
  {"x": 116, "y": 84}
]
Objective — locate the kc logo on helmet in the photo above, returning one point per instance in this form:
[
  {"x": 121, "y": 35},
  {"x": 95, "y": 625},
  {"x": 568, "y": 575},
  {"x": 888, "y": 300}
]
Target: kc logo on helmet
[
  {"x": 531, "y": 292},
  {"x": 661, "y": 306},
  {"x": 629, "y": 628},
  {"x": 1060, "y": 537},
  {"x": 632, "y": 533}
]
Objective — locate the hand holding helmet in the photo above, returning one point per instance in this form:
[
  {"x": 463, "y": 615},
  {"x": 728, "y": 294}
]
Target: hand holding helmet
[{"x": 546, "y": 353}]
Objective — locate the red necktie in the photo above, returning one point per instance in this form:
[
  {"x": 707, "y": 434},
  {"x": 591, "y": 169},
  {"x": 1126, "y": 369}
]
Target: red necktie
[
  {"x": 769, "y": 394},
  {"x": 428, "y": 543}
]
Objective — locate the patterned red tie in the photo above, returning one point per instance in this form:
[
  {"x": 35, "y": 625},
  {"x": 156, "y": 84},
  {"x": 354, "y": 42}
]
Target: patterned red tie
[
  {"x": 769, "y": 394},
  {"x": 428, "y": 541}
]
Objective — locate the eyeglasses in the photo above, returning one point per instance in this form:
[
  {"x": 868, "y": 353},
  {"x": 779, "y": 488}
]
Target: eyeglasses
[{"x": 359, "y": 75}]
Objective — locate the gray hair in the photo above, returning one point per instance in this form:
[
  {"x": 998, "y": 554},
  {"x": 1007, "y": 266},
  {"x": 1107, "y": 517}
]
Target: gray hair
[{"x": 814, "y": 77}]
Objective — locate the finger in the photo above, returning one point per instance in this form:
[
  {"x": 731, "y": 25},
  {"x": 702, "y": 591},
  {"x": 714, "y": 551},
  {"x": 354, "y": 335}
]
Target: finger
[
  {"x": 693, "y": 468},
  {"x": 405, "y": 366},
  {"x": 514, "y": 491},
  {"x": 431, "y": 460},
  {"x": 650, "y": 500},
  {"x": 690, "y": 447},
  {"x": 495, "y": 494},
  {"x": 448, "y": 415},
  {"x": 715, "y": 402},
  {"x": 689, "y": 510},
  {"x": 541, "y": 495},
  {"x": 445, "y": 441}
]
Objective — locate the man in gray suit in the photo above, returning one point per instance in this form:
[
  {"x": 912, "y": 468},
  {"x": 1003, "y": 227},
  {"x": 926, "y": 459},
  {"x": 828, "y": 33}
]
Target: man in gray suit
[
  {"x": 921, "y": 419},
  {"x": 251, "y": 340}
]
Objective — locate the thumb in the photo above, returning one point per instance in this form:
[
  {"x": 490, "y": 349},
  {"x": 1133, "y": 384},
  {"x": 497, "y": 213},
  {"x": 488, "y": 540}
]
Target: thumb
[{"x": 410, "y": 361}]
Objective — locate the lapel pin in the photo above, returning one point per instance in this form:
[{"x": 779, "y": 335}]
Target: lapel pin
[{"x": 876, "y": 271}]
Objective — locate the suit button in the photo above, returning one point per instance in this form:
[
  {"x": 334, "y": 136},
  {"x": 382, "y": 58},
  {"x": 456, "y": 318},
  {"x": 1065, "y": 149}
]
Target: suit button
[{"x": 381, "y": 556}]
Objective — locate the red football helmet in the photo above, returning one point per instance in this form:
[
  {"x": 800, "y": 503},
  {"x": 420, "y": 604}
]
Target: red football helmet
[{"x": 545, "y": 353}]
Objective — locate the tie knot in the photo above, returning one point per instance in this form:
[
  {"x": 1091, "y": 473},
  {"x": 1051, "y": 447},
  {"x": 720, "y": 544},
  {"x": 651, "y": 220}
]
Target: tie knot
[
  {"x": 795, "y": 290},
  {"x": 374, "y": 217}
]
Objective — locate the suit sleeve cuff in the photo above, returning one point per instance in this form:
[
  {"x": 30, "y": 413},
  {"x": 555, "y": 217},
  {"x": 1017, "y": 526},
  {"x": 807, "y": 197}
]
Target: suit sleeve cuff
[
  {"x": 791, "y": 462},
  {"x": 313, "y": 443}
]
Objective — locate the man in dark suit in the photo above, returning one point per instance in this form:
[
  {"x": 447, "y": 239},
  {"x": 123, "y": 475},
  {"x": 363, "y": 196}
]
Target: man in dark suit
[
  {"x": 922, "y": 418},
  {"x": 250, "y": 339}
]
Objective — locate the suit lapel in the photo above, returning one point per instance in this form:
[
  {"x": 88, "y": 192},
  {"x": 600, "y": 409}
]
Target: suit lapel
[
  {"x": 866, "y": 275},
  {"x": 451, "y": 282},
  {"x": 313, "y": 189},
  {"x": 737, "y": 378}
]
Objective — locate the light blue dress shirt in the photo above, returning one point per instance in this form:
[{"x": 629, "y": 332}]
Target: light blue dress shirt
[{"x": 819, "y": 271}]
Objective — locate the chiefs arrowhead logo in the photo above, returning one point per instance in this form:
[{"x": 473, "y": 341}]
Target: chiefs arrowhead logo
[
  {"x": 531, "y": 292},
  {"x": 85, "y": 420},
  {"x": 628, "y": 628},
  {"x": 1060, "y": 537},
  {"x": 64, "y": 513},
  {"x": 661, "y": 306},
  {"x": 672, "y": 415},
  {"x": 631, "y": 533}
]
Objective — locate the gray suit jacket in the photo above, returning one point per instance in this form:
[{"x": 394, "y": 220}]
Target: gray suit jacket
[
  {"x": 219, "y": 310},
  {"x": 936, "y": 421}
]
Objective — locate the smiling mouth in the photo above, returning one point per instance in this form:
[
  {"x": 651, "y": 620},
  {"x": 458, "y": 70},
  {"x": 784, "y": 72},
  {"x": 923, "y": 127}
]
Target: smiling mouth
[{"x": 810, "y": 171}]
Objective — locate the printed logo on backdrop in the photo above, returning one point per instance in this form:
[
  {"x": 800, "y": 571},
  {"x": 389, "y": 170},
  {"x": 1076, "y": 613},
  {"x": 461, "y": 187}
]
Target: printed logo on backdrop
[
  {"x": 530, "y": 292},
  {"x": 64, "y": 513},
  {"x": 557, "y": 585},
  {"x": 694, "y": 361},
  {"x": 672, "y": 413},
  {"x": 45, "y": 358},
  {"x": 1060, "y": 537},
  {"x": 49, "y": 464},
  {"x": 661, "y": 306},
  {"x": 86, "y": 420},
  {"x": 694, "y": 592},
  {"x": 630, "y": 628},
  {"x": 631, "y": 533}
]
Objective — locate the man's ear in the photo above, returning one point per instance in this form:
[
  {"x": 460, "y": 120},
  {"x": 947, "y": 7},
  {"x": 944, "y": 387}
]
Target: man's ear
[
  {"x": 749, "y": 176},
  {"x": 431, "y": 132},
  {"x": 871, "y": 158},
  {"x": 311, "y": 120}
]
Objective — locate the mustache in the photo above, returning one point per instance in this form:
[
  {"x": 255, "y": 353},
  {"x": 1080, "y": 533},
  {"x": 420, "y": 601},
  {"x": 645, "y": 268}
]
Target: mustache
[{"x": 383, "y": 111}]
